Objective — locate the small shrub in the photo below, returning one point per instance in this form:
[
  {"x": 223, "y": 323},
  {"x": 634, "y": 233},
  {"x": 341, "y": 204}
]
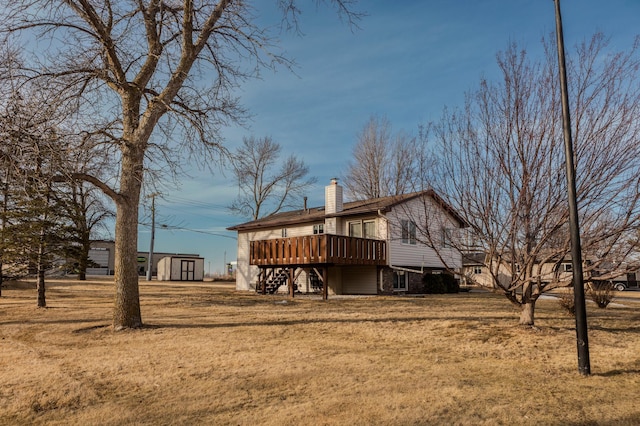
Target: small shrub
[
  {"x": 601, "y": 292},
  {"x": 433, "y": 284},
  {"x": 451, "y": 285},
  {"x": 567, "y": 302}
]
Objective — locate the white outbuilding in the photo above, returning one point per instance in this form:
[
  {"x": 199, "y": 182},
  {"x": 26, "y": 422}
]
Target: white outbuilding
[{"x": 181, "y": 268}]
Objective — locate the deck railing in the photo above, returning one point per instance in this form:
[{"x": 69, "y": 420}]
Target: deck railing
[{"x": 318, "y": 249}]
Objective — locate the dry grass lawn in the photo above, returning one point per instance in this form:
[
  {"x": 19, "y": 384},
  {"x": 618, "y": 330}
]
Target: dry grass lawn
[{"x": 210, "y": 355}]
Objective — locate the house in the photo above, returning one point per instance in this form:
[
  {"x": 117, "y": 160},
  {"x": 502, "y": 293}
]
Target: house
[
  {"x": 475, "y": 270},
  {"x": 374, "y": 246},
  {"x": 180, "y": 268},
  {"x": 478, "y": 270}
]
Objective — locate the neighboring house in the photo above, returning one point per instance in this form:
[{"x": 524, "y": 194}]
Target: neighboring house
[
  {"x": 478, "y": 269},
  {"x": 362, "y": 247},
  {"x": 475, "y": 271}
]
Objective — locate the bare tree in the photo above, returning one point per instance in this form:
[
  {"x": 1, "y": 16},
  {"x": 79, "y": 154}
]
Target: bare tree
[
  {"x": 133, "y": 72},
  {"x": 384, "y": 163},
  {"x": 267, "y": 185},
  {"x": 502, "y": 167},
  {"x": 83, "y": 207}
]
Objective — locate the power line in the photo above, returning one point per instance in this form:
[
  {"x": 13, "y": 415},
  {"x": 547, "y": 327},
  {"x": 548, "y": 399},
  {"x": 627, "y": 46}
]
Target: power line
[
  {"x": 199, "y": 231},
  {"x": 190, "y": 213},
  {"x": 194, "y": 203}
]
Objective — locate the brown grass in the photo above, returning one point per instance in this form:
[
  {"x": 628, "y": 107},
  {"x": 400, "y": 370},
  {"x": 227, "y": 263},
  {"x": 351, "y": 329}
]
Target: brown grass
[{"x": 210, "y": 355}]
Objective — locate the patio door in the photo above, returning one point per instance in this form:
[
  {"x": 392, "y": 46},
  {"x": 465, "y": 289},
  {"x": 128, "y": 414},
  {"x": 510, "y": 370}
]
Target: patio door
[{"x": 187, "y": 270}]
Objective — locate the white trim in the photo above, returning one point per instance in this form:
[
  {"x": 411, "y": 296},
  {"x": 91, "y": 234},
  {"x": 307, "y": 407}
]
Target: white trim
[
  {"x": 400, "y": 268},
  {"x": 399, "y": 275}
]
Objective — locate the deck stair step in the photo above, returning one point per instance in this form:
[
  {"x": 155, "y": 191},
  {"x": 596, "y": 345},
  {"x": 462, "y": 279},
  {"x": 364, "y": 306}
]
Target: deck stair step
[{"x": 274, "y": 282}]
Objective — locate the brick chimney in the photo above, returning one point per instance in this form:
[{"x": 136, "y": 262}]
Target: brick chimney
[{"x": 333, "y": 197}]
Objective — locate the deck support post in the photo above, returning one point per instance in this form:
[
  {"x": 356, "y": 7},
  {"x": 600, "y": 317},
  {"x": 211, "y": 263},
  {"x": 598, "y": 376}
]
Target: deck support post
[
  {"x": 291, "y": 285},
  {"x": 325, "y": 285}
]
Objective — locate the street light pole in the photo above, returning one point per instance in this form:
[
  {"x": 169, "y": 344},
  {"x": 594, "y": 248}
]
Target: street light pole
[
  {"x": 153, "y": 232},
  {"x": 576, "y": 252}
]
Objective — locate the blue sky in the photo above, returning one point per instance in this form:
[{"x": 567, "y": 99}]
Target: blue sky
[{"x": 408, "y": 60}]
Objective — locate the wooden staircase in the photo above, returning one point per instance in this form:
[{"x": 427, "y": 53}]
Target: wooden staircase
[{"x": 274, "y": 281}]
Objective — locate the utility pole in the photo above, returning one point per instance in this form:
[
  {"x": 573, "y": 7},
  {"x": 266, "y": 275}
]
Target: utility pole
[
  {"x": 584, "y": 366},
  {"x": 153, "y": 233}
]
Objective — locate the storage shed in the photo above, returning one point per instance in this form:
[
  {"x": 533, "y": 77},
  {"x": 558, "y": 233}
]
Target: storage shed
[{"x": 181, "y": 268}]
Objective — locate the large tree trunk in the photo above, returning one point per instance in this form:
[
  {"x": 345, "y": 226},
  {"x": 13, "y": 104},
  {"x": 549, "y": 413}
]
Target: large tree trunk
[
  {"x": 42, "y": 301},
  {"x": 40, "y": 283},
  {"x": 528, "y": 305},
  {"x": 527, "y": 313},
  {"x": 40, "y": 261},
  {"x": 83, "y": 261},
  {"x": 126, "y": 313}
]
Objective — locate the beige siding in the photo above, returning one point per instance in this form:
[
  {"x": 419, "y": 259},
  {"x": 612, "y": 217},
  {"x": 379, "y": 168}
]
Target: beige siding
[
  {"x": 170, "y": 268},
  {"x": 333, "y": 198},
  {"x": 546, "y": 272},
  {"x": 421, "y": 254},
  {"x": 243, "y": 269},
  {"x": 164, "y": 269},
  {"x": 246, "y": 274},
  {"x": 331, "y": 226},
  {"x": 335, "y": 281},
  {"x": 303, "y": 283},
  {"x": 484, "y": 278},
  {"x": 359, "y": 280},
  {"x": 343, "y": 228},
  {"x": 383, "y": 229}
]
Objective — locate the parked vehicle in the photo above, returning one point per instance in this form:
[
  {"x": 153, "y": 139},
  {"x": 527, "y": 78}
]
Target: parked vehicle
[{"x": 620, "y": 285}]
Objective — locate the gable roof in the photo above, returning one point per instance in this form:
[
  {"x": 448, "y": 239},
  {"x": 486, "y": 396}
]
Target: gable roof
[{"x": 351, "y": 208}]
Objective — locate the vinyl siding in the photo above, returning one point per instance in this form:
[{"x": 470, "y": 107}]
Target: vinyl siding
[
  {"x": 359, "y": 280},
  {"x": 420, "y": 254},
  {"x": 170, "y": 268},
  {"x": 246, "y": 274}
]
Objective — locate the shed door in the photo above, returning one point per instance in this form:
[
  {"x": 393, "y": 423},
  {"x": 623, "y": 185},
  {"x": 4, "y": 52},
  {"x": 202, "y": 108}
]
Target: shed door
[{"x": 187, "y": 270}]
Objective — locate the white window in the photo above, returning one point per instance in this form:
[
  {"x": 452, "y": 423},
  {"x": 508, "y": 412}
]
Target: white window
[
  {"x": 369, "y": 227},
  {"x": 567, "y": 267},
  {"x": 399, "y": 281},
  {"x": 362, "y": 229},
  {"x": 284, "y": 232},
  {"x": 447, "y": 237},
  {"x": 477, "y": 269},
  {"x": 318, "y": 229},
  {"x": 355, "y": 229},
  {"x": 408, "y": 232}
]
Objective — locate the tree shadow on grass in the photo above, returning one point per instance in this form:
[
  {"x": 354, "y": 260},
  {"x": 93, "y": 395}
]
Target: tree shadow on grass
[
  {"x": 304, "y": 321},
  {"x": 47, "y": 321},
  {"x": 631, "y": 419},
  {"x": 633, "y": 329},
  {"x": 91, "y": 328},
  {"x": 614, "y": 373}
]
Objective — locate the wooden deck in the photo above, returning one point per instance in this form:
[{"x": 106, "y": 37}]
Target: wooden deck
[{"x": 322, "y": 249}]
